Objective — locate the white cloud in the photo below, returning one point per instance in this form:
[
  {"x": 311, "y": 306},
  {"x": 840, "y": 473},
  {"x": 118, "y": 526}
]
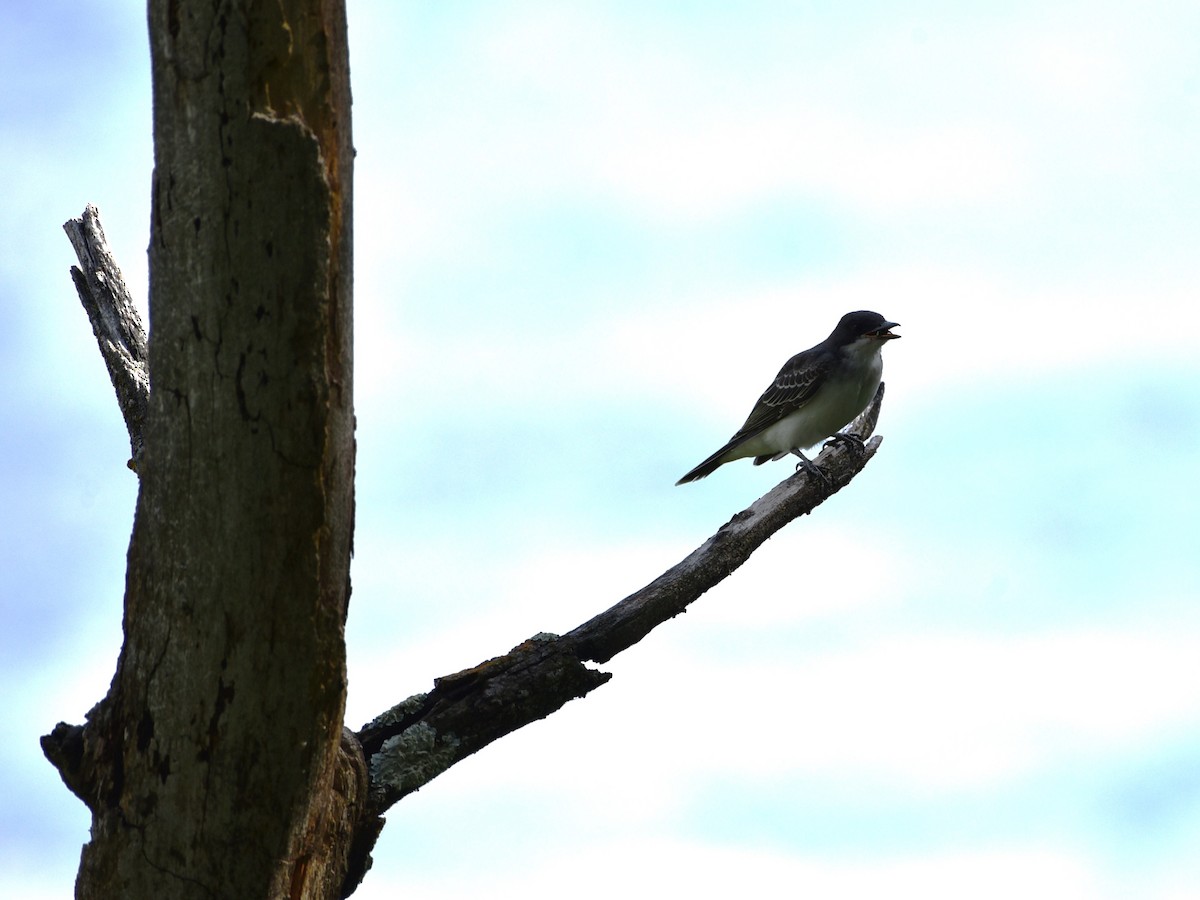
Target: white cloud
[
  {"x": 931, "y": 710},
  {"x": 959, "y": 326},
  {"x": 655, "y": 866}
]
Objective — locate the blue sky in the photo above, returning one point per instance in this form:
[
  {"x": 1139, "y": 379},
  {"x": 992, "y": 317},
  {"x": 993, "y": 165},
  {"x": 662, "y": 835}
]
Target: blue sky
[{"x": 587, "y": 236}]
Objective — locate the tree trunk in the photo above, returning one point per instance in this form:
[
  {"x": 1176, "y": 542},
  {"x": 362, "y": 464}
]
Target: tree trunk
[{"x": 218, "y": 758}]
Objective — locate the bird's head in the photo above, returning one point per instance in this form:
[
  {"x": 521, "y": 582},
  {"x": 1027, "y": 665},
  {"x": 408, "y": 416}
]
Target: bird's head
[{"x": 863, "y": 324}]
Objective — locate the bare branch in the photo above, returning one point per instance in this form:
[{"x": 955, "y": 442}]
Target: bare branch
[
  {"x": 622, "y": 626},
  {"x": 115, "y": 322},
  {"x": 417, "y": 740},
  {"x": 412, "y": 743}
]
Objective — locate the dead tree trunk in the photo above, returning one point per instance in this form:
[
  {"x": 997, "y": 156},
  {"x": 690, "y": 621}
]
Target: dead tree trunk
[{"x": 216, "y": 761}]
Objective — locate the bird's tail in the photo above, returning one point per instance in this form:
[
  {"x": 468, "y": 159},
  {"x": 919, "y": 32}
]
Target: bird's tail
[{"x": 705, "y": 468}]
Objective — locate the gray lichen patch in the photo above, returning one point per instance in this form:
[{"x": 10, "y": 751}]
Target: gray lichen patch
[
  {"x": 413, "y": 758},
  {"x": 399, "y": 712}
]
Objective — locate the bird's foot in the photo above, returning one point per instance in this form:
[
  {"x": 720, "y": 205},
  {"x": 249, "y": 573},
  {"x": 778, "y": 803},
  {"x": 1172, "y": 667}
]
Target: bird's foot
[
  {"x": 811, "y": 468},
  {"x": 846, "y": 438}
]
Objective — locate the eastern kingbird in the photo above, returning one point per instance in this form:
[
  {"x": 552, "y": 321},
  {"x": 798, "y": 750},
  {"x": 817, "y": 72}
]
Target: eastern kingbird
[{"x": 816, "y": 393}]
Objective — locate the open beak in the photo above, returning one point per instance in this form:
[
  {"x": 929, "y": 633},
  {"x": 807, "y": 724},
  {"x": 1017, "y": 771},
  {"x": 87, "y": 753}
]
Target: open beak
[{"x": 884, "y": 334}]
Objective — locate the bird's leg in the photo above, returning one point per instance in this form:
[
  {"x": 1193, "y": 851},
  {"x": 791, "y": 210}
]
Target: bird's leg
[
  {"x": 810, "y": 467},
  {"x": 852, "y": 439}
]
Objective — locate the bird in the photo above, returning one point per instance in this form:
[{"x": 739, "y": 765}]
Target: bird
[{"x": 818, "y": 392}]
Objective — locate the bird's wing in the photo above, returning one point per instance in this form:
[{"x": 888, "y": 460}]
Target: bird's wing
[{"x": 793, "y": 387}]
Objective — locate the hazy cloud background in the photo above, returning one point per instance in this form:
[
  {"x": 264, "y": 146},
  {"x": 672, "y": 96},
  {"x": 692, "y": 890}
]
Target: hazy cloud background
[{"x": 587, "y": 236}]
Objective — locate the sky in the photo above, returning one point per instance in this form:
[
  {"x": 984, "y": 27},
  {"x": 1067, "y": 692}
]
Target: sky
[{"x": 587, "y": 236}]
